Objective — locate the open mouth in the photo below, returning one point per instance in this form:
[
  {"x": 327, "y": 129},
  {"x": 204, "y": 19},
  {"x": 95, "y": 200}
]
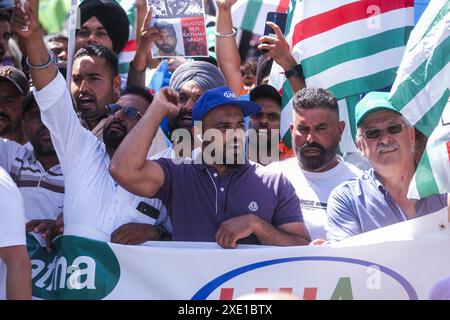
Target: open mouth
[{"x": 86, "y": 102}]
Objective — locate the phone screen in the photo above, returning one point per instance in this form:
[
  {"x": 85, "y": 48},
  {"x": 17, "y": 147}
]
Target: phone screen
[{"x": 279, "y": 18}]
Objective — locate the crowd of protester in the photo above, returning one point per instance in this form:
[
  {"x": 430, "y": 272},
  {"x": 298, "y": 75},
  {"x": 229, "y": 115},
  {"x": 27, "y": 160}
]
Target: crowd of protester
[{"x": 200, "y": 159}]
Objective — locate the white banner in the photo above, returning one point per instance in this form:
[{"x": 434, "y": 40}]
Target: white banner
[{"x": 402, "y": 261}]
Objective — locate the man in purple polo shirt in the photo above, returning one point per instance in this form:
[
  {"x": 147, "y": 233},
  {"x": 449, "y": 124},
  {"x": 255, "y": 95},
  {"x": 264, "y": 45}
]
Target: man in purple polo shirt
[
  {"x": 226, "y": 200},
  {"x": 378, "y": 198}
]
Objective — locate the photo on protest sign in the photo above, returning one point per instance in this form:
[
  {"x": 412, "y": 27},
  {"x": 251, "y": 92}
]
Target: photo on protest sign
[
  {"x": 171, "y": 43},
  {"x": 182, "y": 27}
]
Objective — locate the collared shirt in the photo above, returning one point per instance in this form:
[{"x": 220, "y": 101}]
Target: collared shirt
[
  {"x": 198, "y": 199},
  {"x": 363, "y": 204},
  {"x": 94, "y": 205},
  {"x": 42, "y": 191}
]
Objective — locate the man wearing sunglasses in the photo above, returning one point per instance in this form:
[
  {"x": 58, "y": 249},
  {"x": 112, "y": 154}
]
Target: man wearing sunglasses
[{"x": 378, "y": 198}]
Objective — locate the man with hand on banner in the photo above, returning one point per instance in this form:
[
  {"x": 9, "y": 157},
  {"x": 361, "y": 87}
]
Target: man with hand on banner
[
  {"x": 379, "y": 197},
  {"x": 220, "y": 196}
]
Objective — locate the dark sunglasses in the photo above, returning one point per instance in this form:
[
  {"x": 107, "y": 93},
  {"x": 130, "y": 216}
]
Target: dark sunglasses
[
  {"x": 130, "y": 112},
  {"x": 376, "y": 132}
]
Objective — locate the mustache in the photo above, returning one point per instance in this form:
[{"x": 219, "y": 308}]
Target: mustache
[
  {"x": 307, "y": 145},
  {"x": 383, "y": 146},
  {"x": 4, "y": 115}
]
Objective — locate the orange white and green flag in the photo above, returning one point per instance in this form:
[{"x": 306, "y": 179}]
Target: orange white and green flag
[{"x": 349, "y": 47}]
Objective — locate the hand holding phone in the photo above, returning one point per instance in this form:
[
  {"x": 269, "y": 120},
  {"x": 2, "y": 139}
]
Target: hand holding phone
[{"x": 279, "y": 18}]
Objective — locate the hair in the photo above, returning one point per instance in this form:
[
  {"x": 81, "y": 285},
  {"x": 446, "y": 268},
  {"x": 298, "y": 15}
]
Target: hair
[
  {"x": 101, "y": 52},
  {"x": 263, "y": 67},
  {"x": 310, "y": 98},
  {"x": 5, "y": 16},
  {"x": 162, "y": 25},
  {"x": 249, "y": 67},
  {"x": 137, "y": 90},
  {"x": 55, "y": 37}
]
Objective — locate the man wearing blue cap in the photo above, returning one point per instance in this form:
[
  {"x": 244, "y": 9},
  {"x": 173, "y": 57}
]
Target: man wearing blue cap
[
  {"x": 215, "y": 197},
  {"x": 378, "y": 198}
]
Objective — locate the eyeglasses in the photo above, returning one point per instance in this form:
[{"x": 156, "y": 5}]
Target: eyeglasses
[
  {"x": 130, "y": 112},
  {"x": 375, "y": 133}
]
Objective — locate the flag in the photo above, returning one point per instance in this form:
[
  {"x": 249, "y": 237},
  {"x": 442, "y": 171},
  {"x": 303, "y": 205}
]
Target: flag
[
  {"x": 433, "y": 173},
  {"x": 348, "y": 47},
  {"x": 421, "y": 93},
  {"x": 250, "y": 15},
  {"x": 52, "y": 14}
]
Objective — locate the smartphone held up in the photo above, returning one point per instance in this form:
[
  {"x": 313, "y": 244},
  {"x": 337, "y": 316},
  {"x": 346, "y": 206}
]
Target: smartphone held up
[{"x": 279, "y": 18}]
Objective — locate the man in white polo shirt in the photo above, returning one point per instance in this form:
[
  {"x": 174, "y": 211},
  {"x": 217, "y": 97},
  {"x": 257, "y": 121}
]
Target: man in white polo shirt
[{"x": 15, "y": 268}]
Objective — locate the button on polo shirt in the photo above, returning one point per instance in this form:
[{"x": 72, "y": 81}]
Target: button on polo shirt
[{"x": 198, "y": 199}]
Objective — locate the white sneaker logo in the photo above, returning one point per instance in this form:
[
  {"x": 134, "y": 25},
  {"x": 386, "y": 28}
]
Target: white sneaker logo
[{"x": 253, "y": 206}]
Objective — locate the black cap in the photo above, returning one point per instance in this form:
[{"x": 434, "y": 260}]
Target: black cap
[
  {"x": 16, "y": 77},
  {"x": 265, "y": 91}
]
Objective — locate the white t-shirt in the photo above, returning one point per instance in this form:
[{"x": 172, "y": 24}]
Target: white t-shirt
[
  {"x": 12, "y": 225},
  {"x": 42, "y": 191},
  {"x": 314, "y": 188},
  {"x": 94, "y": 205}
]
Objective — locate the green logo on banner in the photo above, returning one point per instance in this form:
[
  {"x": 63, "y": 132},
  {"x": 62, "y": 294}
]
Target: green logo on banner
[{"x": 77, "y": 268}]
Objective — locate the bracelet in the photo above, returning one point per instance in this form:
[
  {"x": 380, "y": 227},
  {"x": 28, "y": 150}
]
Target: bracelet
[
  {"x": 50, "y": 61},
  {"x": 223, "y": 35}
]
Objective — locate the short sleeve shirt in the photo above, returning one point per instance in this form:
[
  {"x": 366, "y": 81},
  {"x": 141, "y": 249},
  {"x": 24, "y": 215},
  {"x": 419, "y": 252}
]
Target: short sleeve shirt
[{"x": 198, "y": 199}]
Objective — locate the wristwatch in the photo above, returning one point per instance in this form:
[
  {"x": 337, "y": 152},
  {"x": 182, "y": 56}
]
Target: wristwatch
[{"x": 296, "y": 70}]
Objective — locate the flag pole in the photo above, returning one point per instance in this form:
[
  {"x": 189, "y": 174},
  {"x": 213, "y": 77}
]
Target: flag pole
[{"x": 73, "y": 24}]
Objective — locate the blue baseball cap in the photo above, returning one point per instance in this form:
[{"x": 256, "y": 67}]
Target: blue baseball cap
[{"x": 218, "y": 97}]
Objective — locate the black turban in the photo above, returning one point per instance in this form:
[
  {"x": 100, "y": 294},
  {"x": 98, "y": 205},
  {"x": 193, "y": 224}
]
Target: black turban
[{"x": 113, "y": 18}]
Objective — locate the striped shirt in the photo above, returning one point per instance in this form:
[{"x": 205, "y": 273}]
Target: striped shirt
[{"x": 42, "y": 191}]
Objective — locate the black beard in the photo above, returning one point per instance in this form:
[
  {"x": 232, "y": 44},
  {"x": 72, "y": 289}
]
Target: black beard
[
  {"x": 316, "y": 162},
  {"x": 113, "y": 140}
]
